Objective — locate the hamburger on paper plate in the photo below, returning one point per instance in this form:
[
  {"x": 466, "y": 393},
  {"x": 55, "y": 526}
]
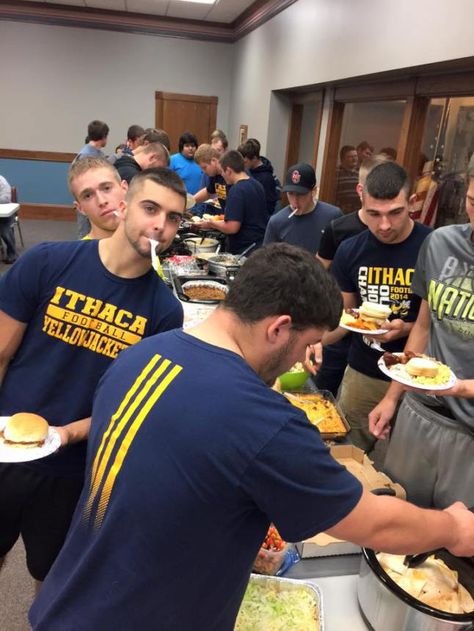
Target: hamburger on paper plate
[
  {"x": 25, "y": 430},
  {"x": 374, "y": 312}
]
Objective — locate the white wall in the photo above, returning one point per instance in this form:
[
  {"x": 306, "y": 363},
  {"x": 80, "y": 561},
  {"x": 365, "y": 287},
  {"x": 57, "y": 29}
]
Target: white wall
[
  {"x": 315, "y": 41},
  {"x": 56, "y": 79}
]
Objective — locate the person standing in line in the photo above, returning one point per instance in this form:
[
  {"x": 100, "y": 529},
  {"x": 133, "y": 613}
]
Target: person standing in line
[
  {"x": 208, "y": 160},
  {"x": 261, "y": 169},
  {"x": 73, "y": 307},
  {"x": 134, "y": 136},
  {"x": 303, "y": 221},
  {"x": 150, "y": 156},
  {"x": 245, "y": 217},
  {"x": 347, "y": 198},
  {"x": 96, "y": 140},
  {"x": 334, "y": 356},
  {"x": 190, "y": 444},
  {"x": 377, "y": 266},
  {"x": 431, "y": 449},
  {"x": 184, "y": 164}
]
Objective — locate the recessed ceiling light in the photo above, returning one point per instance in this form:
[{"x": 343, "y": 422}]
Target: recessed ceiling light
[{"x": 199, "y": 1}]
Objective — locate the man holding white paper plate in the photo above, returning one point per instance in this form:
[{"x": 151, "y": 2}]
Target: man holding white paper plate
[{"x": 67, "y": 310}]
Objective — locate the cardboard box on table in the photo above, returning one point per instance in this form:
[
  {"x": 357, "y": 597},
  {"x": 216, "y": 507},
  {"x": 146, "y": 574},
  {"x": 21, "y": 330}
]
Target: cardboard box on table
[{"x": 356, "y": 461}]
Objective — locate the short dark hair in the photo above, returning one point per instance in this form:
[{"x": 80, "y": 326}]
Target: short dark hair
[
  {"x": 362, "y": 146},
  {"x": 249, "y": 150},
  {"x": 386, "y": 180},
  {"x": 159, "y": 175},
  {"x": 470, "y": 171},
  {"x": 187, "y": 139},
  {"x": 156, "y": 135},
  {"x": 134, "y": 132},
  {"x": 256, "y": 143},
  {"x": 391, "y": 152},
  {"x": 96, "y": 130},
  {"x": 281, "y": 279},
  {"x": 345, "y": 149},
  {"x": 234, "y": 160}
]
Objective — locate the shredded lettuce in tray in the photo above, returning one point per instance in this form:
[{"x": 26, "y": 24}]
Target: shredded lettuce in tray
[{"x": 271, "y": 608}]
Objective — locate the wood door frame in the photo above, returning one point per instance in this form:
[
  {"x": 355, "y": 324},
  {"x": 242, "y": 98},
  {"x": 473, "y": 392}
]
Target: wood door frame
[
  {"x": 161, "y": 97},
  {"x": 416, "y": 91},
  {"x": 294, "y": 129}
]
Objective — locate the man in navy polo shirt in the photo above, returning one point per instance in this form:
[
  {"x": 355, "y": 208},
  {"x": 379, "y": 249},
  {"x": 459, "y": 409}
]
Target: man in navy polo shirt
[{"x": 303, "y": 221}]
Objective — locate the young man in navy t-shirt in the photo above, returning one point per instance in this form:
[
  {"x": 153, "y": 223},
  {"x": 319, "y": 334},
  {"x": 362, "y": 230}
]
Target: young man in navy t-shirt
[
  {"x": 67, "y": 310},
  {"x": 246, "y": 215},
  {"x": 208, "y": 160},
  {"x": 192, "y": 455},
  {"x": 377, "y": 266}
]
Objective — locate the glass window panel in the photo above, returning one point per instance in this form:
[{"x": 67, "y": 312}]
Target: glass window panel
[
  {"x": 448, "y": 143},
  {"x": 367, "y": 128},
  {"x": 311, "y": 113}
]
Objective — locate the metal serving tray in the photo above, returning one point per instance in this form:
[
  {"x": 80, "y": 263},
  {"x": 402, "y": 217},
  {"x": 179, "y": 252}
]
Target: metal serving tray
[
  {"x": 291, "y": 584},
  {"x": 180, "y": 281},
  {"x": 329, "y": 397}
]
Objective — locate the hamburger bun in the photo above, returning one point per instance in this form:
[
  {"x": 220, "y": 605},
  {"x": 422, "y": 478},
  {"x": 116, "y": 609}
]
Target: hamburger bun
[
  {"x": 374, "y": 312},
  {"x": 25, "y": 430},
  {"x": 422, "y": 367}
]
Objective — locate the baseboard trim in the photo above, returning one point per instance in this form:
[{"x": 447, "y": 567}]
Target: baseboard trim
[{"x": 55, "y": 212}]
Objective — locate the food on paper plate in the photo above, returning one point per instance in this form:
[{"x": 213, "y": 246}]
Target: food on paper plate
[
  {"x": 422, "y": 367},
  {"x": 374, "y": 312},
  {"x": 433, "y": 583},
  {"x": 369, "y": 317},
  {"x": 25, "y": 430},
  {"x": 270, "y": 607},
  {"x": 417, "y": 368}
]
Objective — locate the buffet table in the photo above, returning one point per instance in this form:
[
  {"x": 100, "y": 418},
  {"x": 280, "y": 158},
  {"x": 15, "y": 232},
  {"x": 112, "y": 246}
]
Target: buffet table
[{"x": 337, "y": 579}]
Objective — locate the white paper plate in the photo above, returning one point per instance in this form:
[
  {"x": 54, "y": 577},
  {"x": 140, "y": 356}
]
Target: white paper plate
[
  {"x": 343, "y": 323},
  {"x": 17, "y": 454},
  {"x": 407, "y": 380}
]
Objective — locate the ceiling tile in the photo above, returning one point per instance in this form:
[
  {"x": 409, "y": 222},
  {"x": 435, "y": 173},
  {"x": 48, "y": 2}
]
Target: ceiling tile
[
  {"x": 189, "y": 10},
  {"x": 228, "y": 11},
  {"x": 151, "y": 7},
  {"x": 116, "y": 5}
]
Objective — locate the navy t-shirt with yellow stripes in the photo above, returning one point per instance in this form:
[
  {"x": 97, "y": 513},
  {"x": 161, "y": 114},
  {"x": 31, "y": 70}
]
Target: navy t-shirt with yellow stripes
[
  {"x": 79, "y": 317},
  {"x": 191, "y": 456}
]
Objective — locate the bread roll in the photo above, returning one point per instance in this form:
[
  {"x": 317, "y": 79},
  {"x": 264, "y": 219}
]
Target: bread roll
[
  {"x": 26, "y": 430},
  {"x": 422, "y": 367}
]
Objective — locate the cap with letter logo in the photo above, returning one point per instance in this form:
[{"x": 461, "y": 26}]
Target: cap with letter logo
[{"x": 300, "y": 178}]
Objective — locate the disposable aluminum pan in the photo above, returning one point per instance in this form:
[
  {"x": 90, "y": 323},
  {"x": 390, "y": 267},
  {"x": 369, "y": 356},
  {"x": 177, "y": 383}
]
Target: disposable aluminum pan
[
  {"x": 224, "y": 264},
  {"x": 386, "y": 607},
  {"x": 292, "y": 584},
  {"x": 204, "y": 283}
]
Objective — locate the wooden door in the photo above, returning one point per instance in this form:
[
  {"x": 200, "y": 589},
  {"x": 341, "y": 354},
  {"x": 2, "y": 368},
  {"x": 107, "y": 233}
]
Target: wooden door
[{"x": 177, "y": 113}]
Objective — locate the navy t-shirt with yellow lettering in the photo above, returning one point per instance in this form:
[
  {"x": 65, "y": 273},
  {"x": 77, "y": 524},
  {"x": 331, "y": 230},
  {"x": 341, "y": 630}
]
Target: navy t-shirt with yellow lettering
[
  {"x": 191, "y": 456},
  {"x": 379, "y": 272},
  {"x": 79, "y": 317}
]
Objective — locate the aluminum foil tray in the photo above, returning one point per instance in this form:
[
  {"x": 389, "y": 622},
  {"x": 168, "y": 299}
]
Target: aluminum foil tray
[{"x": 291, "y": 584}]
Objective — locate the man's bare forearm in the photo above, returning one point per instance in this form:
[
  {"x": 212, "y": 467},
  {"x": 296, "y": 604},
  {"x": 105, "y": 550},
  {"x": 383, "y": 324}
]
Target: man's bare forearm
[{"x": 398, "y": 527}]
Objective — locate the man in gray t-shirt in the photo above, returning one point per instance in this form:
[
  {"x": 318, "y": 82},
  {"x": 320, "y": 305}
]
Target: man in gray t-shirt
[
  {"x": 303, "y": 221},
  {"x": 431, "y": 451}
]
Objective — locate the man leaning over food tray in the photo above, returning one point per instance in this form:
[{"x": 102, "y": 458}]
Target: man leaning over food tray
[
  {"x": 431, "y": 450},
  {"x": 192, "y": 455},
  {"x": 66, "y": 311}
]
